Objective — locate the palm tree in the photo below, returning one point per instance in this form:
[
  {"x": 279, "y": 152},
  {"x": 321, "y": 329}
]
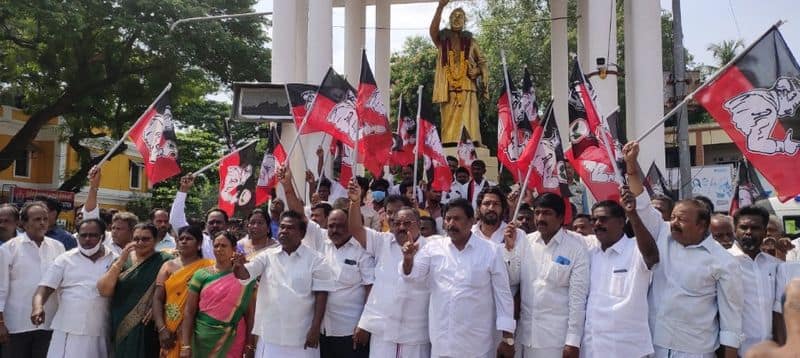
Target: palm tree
[{"x": 725, "y": 51}]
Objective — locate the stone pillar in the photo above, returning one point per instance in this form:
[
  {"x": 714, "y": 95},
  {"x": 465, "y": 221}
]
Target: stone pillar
[
  {"x": 383, "y": 15},
  {"x": 320, "y": 46},
  {"x": 284, "y": 69},
  {"x": 596, "y": 16},
  {"x": 644, "y": 87},
  {"x": 559, "y": 61},
  {"x": 354, "y": 23}
]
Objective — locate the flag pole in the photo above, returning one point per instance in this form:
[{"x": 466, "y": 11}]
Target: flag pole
[
  {"x": 510, "y": 103},
  {"x": 207, "y": 167},
  {"x": 530, "y": 168},
  {"x": 325, "y": 157},
  {"x": 127, "y": 132},
  {"x": 416, "y": 143},
  {"x": 713, "y": 77}
]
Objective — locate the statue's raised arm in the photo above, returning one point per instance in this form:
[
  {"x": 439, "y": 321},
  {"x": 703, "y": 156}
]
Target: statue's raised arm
[{"x": 459, "y": 65}]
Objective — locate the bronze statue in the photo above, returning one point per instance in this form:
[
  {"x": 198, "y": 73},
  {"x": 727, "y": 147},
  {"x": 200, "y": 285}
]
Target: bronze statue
[{"x": 458, "y": 65}]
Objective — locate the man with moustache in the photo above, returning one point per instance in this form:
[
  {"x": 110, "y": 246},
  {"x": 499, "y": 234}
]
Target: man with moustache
[
  {"x": 470, "y": 297},
  {"x": 722, "y": 230},
  {"x": 122, "y": 222},
  {"x": 695, "y": 298},
  {"x": 759, "y": 271},
  {"x": 492, "y": 208},
  {"x": 164, "y": 241},
  {"x": 23, "y": 261},
  {"x": 396, "y": 313},
  {"x": 551, "y": 268},
  {"x": 216, "y": 219},
  {"x": 525, "y": 219},
  {"x": 81, "y": 323},
  {"x": 353, "y": 271},
  {"x": 616, "y": 309}
]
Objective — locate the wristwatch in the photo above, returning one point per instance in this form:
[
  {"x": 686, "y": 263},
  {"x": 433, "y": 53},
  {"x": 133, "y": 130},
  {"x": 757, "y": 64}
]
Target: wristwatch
[{"x": 509, "y": 341}]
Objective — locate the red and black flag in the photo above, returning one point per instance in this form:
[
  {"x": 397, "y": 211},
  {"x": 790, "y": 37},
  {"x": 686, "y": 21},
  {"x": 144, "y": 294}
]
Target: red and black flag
[
  {"x": 273, "y": 157},
  {"x": 403, "y": 139},
  {"x": 334, "y": 110},
  {"x": 549, "y": 174},
  {"x": 431, "y": 147},
  {"x": 342, "y": 161},
  {"x": 529, "y": 107},
  {"x": 238, "y": 173},
  {"x": 375, "y": 140},
  {"x": 656, "y": 185},
  {"x": 589, "y": 138},
  {"x": 755, "y": 100},
  {"x": 466, "y": 149},
  {"x": 514, "y": 131},
  {"x": 301, "y": 98},
  {"x": 154, "y": 136},
  {"x": 748, "y": 188}
]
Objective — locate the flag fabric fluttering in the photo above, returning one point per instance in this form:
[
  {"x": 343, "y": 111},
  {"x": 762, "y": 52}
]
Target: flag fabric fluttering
[
  {"x": 466, "y": 150},
  {"x": 237, "y": 181},
  {"x": 549, "y": 174},
  {"x": 755, "y": 100},
  {"x": 334, "y": 110},
  {"x": 375, "y": 140},
  {"x": 274, "y": 156},
  {"x": 301, "y": 97},
  {"x": 343, "y": 160},
  {"x": 656, "y": 185},
  {"x": 404, "y": 138},
  {"x": 514, "y": 129},
  {"x": 589, "y": 137},
  {"x": 748, "y": 189},
  {"x": 431, "y": 147},
  {"x": 154, "y": 137}
]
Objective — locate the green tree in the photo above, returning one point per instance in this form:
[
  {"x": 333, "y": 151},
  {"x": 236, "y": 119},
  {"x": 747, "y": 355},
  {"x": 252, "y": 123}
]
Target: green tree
[
  {"x": 100, "y": 63},
  {"x": 411, "y": 67},
  {"x": 725, "y": 51}
]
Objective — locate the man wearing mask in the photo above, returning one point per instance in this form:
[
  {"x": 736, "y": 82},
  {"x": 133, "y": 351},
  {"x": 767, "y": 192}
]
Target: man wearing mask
[
  {"x": 396, "y": 313},
  {"x": 23, "y": 261},
  {"x": 80, "y": 326},
  {"x": 758, "y": 270},
  {"x": 216, "y": 218},
  {"x": 458, "y": 189},
  {"x": 353, "y": 272},
  {"x": 695, "y": 298}
]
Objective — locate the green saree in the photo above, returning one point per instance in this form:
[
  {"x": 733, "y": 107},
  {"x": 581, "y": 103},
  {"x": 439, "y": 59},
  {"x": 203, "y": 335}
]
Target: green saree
[{"x": 132, "y": 299}]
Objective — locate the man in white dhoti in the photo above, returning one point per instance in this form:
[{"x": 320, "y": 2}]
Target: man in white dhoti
[
  {"x": 81, "y": 323},
  {"x": 396, "y": 313}
]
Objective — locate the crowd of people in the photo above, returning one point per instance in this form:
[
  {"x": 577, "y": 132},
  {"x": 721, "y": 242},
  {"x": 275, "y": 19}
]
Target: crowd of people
[{"x": 380, "y": 269}]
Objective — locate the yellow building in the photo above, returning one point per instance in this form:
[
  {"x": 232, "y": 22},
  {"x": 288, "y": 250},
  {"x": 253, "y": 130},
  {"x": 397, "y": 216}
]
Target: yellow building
[{"x": 50, "y": 161}]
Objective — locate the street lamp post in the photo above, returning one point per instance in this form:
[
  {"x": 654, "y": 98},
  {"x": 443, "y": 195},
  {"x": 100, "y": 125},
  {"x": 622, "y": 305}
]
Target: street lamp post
[{"x": 216, "y": 17}]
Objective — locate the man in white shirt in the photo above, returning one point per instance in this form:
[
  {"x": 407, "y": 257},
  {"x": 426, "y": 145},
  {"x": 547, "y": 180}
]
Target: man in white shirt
[
  {"x": 792, "y": 342},
  {"x": 616, "y": 310},
  {"x": 469, "y": 288},
  {"x": 786, "y": 272},
  {"x": 292, "y": 294},
  {"x": 722, "y": 230},
  {"x": 353, "y": 272},
  {"x": 9, "y": 218},
  {"x": 696, "y": 295},
  {"x": 81, "y": 323},
  {"x": 492, "y": 209},
  {"x": 478, "y": 182},
  {"x": 759, "y": 271},
  {"x": 122, "y": 222},
  {"x": 396, "y": 313},
  {"x": 160, "y": 218},
  {"x": 216, "y": 218},
  {"x": 458, "y": 189},
  {"x": 551, "y": 268},
  {"x": 23, "y": 261}
]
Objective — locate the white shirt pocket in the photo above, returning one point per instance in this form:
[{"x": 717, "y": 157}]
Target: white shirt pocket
[
  {"x": 558, "y": 274},
  {"x": 616, "y": 286},
  {"x": 349, "y": 274}
]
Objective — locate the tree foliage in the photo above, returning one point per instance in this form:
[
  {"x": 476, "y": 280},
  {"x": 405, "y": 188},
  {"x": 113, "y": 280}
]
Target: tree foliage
[
  {"x": 725, "y": 51},
  {"x": 413, "y": 66},
  {"x": 100, "y": 63}
]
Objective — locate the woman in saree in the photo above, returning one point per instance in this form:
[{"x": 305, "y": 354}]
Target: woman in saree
[
  {"x": 172, "y": 285},
  {"x": 218, "y": 316},
  {"x": 130, "y": 282}
]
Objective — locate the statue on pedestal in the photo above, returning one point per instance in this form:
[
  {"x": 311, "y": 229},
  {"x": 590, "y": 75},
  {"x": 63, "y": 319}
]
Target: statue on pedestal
[{"x": 459, "y": 64}]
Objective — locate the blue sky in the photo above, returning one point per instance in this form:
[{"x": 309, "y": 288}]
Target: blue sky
[{"x": 704, "y": 22}]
